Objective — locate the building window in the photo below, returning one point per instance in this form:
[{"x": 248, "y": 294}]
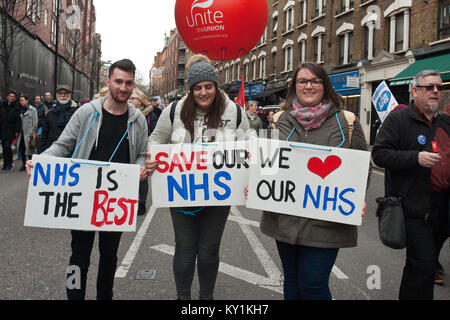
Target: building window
[
  {"x": 444, "y": 19},
  {"x": 46, "y": 16},
  {"x": 227, "y": 74},
  {"x": 398, "y": 15},
  {"x": 303, "y": 51},
  {"x": 254, "y": 69},
  {"x": 341, "y": 49},
  {"x": 246, "y": 70},
  {"x": 275, "y": 26},
  {"x": 399, "y": 25},
  {"x": 53, "y": 33},
  {"x": 344, "y": 6},
  {"x": 264, "y": 37},
  {"x": 319, "y": 52},
  {"x": 303, "y": 12},
  {"x": 262, "y": 67},
  {"x": 289, "y": 19},
  {"x": 369, "y": 41},
  {"x": 320, "y": 7},
  {"x": 288, "y": 58},
  {"x": 274, "y": 62}
]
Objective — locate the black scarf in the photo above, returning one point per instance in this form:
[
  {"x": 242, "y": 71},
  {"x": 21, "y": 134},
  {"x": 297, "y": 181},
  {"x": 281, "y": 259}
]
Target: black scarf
[{"x": 62, "y": 110}]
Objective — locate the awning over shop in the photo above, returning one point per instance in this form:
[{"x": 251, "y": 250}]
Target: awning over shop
[
  {"x": 439, "y": 63},
  {"x": 267, "y": 93}
]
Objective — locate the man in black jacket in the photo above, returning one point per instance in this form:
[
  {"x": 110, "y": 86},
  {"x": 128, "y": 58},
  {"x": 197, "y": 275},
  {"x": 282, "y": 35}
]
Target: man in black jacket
[
  {"x": 413, "y": 146},
  {"x": 57, "y": 117},
  {"x": 10, "y": 126}
]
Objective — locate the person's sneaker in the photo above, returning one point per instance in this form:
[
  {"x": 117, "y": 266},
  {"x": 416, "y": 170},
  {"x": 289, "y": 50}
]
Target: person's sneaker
[
  {"x": 439, "y": 275},
  {"x": 9, "y": 169},
  {"x": 141, "y": 209},
  {"x": 3, "y": 169},
  {"x": 438, "y": 279}
]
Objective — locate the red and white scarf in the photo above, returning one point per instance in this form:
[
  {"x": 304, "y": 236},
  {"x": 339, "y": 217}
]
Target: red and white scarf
[{"x": 310, "y": 117}]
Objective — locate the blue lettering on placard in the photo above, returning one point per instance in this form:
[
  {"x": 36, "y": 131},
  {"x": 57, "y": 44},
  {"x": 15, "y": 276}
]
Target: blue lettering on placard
[
  {"x": 39, "y": 170},
  {"x": 351, "y": 204},
  {"x": 182, "y": 191},
  {"x": 204, "y": 186},
  {"x": 227, "y": 189},
  {"x": 187, "y": 189},
  {"x": 308, "y": 193},
  {"x": 60, "y": 173},
  {"x": 74, "y": 175},
  {"x": 329, "y": 196},
  {"x": 327, "y": 199}
]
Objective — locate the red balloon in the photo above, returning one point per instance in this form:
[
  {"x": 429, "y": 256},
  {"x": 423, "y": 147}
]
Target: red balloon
[{"x": 221, "y": 29}]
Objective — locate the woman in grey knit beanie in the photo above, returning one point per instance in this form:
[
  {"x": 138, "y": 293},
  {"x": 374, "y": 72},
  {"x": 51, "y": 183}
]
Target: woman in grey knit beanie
[{"x": 198, "y": 230}]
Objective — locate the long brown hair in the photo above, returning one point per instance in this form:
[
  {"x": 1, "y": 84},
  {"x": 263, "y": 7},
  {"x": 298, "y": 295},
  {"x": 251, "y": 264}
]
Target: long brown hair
[
  {"x": 214, "y": 115},
  {"x": 329, "y": 95}
]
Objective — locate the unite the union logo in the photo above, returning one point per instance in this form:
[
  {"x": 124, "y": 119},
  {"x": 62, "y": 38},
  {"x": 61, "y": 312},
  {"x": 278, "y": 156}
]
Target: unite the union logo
[{"x": 205, "y": 20}]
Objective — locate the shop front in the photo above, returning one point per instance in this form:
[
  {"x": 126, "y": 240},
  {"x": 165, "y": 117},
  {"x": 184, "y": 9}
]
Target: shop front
[{"x": 347, "y": 84}]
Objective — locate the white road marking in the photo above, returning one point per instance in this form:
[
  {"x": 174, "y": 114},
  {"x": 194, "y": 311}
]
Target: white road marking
[
  {"x": 338, "y": 273},
  {"x": 264, "y": 258},
  {"x": 273, "y": 282},
  {"x": 233, "y": 271},
  {"x": 132, "y": 251}
]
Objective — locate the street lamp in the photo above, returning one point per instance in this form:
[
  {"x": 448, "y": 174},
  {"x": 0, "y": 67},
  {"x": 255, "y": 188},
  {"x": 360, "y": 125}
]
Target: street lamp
[{"x": 56, "y": 47}]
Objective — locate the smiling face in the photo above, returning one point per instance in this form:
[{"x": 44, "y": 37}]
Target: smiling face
[
  {"x": 311, "y": 94},
  {"x": 204, "y": 94},
  {"x": 428, "y": 101},
  {"x": 120, "y": 85}
]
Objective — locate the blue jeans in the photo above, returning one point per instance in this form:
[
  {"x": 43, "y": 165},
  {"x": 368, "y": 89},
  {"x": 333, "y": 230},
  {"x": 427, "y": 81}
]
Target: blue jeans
[{"x": 306, "y": 271}]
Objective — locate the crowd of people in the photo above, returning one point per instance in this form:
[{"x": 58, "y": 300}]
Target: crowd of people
[
  {"x": 312, "y": 113},
  {"x": 33, "y": 124}
]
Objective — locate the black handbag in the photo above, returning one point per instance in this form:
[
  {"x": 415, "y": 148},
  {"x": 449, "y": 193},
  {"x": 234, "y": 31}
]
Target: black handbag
[{"x": 391, "y": 222}]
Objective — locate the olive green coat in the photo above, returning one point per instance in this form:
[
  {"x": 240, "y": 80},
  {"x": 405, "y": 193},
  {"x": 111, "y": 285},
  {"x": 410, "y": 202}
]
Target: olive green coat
[{"x": 304, "y": 231}]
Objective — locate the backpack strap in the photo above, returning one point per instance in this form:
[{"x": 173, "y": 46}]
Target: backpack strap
[
  {"x": 239, "y": 116},
  {"x": 173, "y": 107},
  {"x": 276, "y": 117},
  {"x": 350, "y": 118}
]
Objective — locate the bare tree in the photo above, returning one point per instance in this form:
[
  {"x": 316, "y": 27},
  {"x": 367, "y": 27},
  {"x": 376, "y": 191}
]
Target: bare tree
[
  {"x": 76, "y": 53},
  {"x": 15, "y": 15},
  {"x": 141, "y": 82}
]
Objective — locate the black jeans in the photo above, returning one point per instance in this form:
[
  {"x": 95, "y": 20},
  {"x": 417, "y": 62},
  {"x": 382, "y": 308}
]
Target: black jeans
[
  {"x": 418, "y": 274},
  {"x": 7, "y": 153},
  {"x": 82, "y": 242},
  {"x": 197, "y": 237},
  {"x": 439, "y": 219}
]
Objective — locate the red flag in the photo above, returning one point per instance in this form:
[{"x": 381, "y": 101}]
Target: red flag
[{"x": 240, "y": 100}]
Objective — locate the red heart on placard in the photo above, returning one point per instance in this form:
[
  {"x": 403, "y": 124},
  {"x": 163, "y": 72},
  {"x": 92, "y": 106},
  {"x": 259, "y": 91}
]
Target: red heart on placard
[{"x": 323, "y": 169}]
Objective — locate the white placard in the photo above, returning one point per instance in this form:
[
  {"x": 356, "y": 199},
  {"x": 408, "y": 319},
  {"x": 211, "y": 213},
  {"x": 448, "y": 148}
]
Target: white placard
[
  {"x": 383, "y": 100},
  {"x": 309, "y": 181},
  {"x": 82, "y": 195},
  {"x": 191, "y": 175}
]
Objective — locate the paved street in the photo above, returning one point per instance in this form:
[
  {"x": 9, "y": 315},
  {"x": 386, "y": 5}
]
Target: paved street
[{"x": 33, "y": 261}]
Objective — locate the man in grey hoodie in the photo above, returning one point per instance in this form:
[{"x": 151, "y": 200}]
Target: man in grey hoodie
[{"x": 107, "y": 129}]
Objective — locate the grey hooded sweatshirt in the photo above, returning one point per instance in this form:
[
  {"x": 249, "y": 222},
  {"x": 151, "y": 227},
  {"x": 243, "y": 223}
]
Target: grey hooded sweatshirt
[
  {"x": 83, "y": 128},
  {"x": 168, "y": 133}
]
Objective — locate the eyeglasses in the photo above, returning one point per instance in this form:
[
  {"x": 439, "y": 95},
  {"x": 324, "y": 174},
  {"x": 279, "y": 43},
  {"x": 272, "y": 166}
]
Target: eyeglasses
[
  {"x": 316, "y": 82},
  {"x": 431, "y": 87}
]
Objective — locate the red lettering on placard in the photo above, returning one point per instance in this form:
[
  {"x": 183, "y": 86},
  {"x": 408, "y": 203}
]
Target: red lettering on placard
[
  {"x": 163, "y": 166},
  {"x": 113, "y": 205}
]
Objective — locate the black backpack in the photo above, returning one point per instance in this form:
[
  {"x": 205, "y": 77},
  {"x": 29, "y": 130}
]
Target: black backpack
[{"x": 174, "y": 106}]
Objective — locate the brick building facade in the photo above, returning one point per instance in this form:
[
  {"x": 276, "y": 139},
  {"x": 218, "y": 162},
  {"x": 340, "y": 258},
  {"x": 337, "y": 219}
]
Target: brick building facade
[
  {"x": 359, "y": 42},
  {"x": 78, "y": 44}
]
